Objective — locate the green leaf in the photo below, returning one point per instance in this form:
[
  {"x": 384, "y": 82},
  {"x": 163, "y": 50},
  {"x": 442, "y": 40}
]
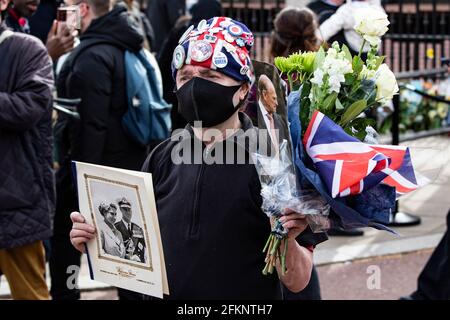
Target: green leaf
[
  {"x": 360, "y": 135},
  {"x": 338, "y": 105},
  {"x": 357, "y": 65},
  {"x": 353, "y": 111},
  {"x": 329, "y": 101},
  {"x": 320, "y": 57},
  {"x": 379, "y": 62},
  {"x": 348, "y": 55},
  {"x": 305, "y": 105},
  {"x": 350, "y": 79}
]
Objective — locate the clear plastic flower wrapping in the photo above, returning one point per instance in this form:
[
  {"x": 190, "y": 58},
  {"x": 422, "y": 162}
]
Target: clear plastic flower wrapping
[{"x": 280, "y": 190}]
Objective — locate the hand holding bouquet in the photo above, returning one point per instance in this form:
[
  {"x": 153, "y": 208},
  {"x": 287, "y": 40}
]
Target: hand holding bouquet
[{"x": 284, "y": 203}]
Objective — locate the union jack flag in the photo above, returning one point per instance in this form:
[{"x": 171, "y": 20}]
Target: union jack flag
[{"x": 347, "y": 166}]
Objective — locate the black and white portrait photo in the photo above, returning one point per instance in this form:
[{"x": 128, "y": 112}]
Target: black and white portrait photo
[{"x": 118, "y": 216}]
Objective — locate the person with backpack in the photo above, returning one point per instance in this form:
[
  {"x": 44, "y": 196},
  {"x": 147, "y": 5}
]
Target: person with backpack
[{"x": 95, "y": 72}]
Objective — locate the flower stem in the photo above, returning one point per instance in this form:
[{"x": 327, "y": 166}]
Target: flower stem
[
  {"x": 362, "y": 47},
  {"x": 267, "y": 243},
  {"x": 291, "y": 82}
]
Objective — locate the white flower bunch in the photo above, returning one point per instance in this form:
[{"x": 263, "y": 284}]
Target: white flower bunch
[{"x": 332, "y": 72}]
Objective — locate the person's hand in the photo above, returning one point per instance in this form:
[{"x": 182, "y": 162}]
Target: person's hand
[
  {"x": 295, "y": 222},
  {"x": 60, "y": 40},
  {"x": 81, "y": 231}
]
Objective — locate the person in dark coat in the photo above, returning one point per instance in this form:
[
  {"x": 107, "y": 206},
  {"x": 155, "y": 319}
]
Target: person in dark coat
[
  {"x": 434, "y": 280},
  {"x": 27, "y": 194},
  {"x": 41, "y": 21},
  {"x": 163, "y": 14},
  {"x": 94, "y": 72},
  {"x": 212, "y": 224},
  {"x": 324, "y": 8}
]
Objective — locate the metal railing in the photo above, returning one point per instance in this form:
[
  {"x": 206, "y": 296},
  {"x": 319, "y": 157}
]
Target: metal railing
[{"x": 418, "y": 37}]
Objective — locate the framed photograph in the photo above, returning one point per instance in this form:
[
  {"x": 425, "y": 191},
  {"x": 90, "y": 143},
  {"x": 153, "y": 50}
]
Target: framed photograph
[{"x": 127, "y": 251}]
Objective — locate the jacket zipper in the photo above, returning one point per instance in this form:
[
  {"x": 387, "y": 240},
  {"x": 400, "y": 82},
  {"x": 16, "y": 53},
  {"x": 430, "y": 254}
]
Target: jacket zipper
[
  {"x": 193, "y": 230},
  {"x": 195, "y": 224}
]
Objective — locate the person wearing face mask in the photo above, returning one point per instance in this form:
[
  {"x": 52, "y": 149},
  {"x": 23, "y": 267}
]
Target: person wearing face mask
[{"x": 212, "y": 225}]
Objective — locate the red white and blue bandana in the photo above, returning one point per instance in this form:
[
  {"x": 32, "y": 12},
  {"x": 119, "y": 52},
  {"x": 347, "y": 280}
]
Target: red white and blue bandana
[{"x": 220, "y": 44}]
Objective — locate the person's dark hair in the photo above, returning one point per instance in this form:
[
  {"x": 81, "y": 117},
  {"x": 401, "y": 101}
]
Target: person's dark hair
[
  {"x": 295, "y": 30},
  {"x": 99, "y": 7}
]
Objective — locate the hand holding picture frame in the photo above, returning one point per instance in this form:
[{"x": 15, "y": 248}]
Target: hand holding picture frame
[{"x": 127, "y": 251}]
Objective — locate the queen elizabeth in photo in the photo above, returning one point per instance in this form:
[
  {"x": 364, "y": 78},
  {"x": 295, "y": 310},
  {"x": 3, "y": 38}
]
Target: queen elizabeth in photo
[{"x": 110, "y": 238}]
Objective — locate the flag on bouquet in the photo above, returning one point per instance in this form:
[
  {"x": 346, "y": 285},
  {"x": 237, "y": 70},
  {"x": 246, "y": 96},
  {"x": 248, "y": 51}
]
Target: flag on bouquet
[{"x": 348, "y": 166}]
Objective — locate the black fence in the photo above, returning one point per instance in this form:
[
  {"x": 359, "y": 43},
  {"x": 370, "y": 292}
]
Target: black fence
[{"x": 419, "y": 34}]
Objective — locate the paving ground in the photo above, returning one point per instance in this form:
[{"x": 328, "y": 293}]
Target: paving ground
[
  {"x": 349, "y": 280},
  {"x": 356, "y": 280}
]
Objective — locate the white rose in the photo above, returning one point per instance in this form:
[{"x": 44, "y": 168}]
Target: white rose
[
  {"x": 386, "y": 83},
  {"x": 372, "y": 24}
]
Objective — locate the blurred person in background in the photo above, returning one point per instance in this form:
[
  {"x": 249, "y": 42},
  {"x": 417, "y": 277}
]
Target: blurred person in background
[
  {"x": 344, "y": 21},
  {"x": 434, "y": 280},
  {"x": 21, "y": 18},
  {"x": 294, "y": 30},
  {"x": 95, "y": 73},
  {"x": 141, "y": 22},
  {"x": 27, "y": 196},
  {"x": 42, "y": 20},
  {"x": 324, "y": 8},
  {"x": 163, "y": 14}
]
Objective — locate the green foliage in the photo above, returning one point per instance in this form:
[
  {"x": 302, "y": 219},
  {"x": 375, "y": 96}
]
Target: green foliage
[{"x": 353, "y": 111}]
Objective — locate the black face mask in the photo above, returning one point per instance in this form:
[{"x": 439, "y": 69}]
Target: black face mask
[{"x": 206, "y": 101}]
